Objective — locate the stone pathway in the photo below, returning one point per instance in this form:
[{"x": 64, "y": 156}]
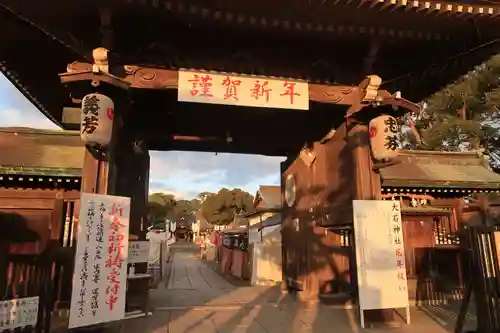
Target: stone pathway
[
  {"x": 189, "y": 273},
  {"x": 198, "y": 300}
]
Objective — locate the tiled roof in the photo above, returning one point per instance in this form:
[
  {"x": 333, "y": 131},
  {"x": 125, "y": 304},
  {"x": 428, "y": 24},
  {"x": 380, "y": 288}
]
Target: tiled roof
[
  {"x": 464, "y": 170},
  {"x": 40, "y": 152},
  {"x": 271, "y": 196}
]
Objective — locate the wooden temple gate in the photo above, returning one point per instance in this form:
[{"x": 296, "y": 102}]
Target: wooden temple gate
[{"x": 140, "y": 73}]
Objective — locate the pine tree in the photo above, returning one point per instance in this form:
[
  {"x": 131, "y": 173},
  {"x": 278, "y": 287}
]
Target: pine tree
[{"x": 463, "y": 116}]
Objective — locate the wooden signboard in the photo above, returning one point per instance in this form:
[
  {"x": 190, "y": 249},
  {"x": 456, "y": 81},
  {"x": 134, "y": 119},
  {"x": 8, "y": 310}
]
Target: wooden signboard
[
  {"x": 100, "y": 275},
  {"x": 253, "y": 91},
  {"x": 380, "y": 257}
]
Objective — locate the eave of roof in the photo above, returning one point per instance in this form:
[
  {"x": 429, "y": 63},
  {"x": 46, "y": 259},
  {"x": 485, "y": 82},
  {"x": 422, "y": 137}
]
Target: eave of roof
[
  {"x": 35, "y": 152},
  {"x": 33, "y": 171},
  {"x": 261, "y": 211},
  {"x": 446, "y": 170},
  {"x": 428, "y": 8},
  {"x": 269, "y": 222}
]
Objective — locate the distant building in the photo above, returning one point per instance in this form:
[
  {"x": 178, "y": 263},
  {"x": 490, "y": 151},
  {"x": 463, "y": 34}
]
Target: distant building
[
  {"x": 267, "y": 204},
  {"x": 201, "y": 225}
]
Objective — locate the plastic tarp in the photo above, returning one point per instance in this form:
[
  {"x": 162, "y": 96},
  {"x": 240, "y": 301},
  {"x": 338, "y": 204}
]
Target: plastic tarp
[{"x": 156, "y": 241}]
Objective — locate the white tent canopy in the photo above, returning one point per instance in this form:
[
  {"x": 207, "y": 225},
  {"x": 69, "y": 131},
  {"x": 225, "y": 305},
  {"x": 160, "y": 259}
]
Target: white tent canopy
[{"x": 265, "y": 240}]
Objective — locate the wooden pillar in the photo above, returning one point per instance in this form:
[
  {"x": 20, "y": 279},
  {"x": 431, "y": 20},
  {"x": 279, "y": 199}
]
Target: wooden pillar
[
  {"x": 133, "y": 178},
  {"x": 284, "y": 257},
  {"x": 367, "y": 181},
  {"x": 4, "y": 260},
  {"x": 95, "y": 173}
]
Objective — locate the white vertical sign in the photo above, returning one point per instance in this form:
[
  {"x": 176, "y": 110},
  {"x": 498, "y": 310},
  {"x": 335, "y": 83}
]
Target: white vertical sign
[
  {"x": 100, "y": 275},
  {"x": 380, "y": 257}
]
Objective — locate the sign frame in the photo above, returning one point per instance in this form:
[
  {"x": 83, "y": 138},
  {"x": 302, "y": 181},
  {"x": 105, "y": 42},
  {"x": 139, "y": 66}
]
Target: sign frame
[
  {"x": 143, "y": 252},
  {"x": 100, "y": 273},
  {"x": 380, "y": 258},
  {"x": 242, "y": 90}
]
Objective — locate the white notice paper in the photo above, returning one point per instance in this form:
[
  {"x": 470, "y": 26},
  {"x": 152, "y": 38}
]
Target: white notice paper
[
  {"x": 138, "y": 252},
  {"x": 380, "y": 257},
  {"x": 20, "y": 312},
  {"x": 100, "y": 275}
]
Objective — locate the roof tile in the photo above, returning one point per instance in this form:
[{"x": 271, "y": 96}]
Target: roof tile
[{"x": 465, "y": 170}]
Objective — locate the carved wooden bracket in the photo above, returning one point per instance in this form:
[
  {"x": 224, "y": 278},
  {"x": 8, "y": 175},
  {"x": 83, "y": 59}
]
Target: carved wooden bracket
[
  {"x": 87, "y": 73},
  {"x": 381, "y": 165},
  {"x": 369, "y": 87},
  {"x": 370, "y": 95},
  {"x": 307, "y": 156}
]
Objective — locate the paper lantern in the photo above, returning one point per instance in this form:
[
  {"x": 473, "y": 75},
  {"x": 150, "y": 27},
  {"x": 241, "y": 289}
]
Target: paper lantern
[
  {"x": 96, "y": 124},
  {"x": 384, "y": 137}
]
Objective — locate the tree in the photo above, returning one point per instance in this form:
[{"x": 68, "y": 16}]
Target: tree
[
  {"x": 203, "y": 195},
  {"x": 163, "y": 206},
  {"x": 183, "y": 212},
  {"x": 160, "y": 207},
  {"x": 221, "y": 207},
  {"x": 462, "y": 116},
  {"x": 195, "y": 204}
]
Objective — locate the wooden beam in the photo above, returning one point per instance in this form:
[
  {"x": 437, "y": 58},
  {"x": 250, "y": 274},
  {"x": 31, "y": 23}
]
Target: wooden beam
[
  {"x": 239, "y": 147},
  {"x": 71, "y": 117},
  {"x": 35, "y": 194},
  {"x": 163, "y": 79}
]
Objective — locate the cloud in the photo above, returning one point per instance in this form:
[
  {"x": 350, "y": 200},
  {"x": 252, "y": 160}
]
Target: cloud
[
  {"x": 191, "y": 173},
  {"x": 10, "y": 117},
  {"x": 16, "y": 110},
  {"x": 183, "y": 174}
]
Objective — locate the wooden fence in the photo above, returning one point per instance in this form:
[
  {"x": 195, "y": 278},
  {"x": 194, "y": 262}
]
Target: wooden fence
[{"x": 43, "y": 270}]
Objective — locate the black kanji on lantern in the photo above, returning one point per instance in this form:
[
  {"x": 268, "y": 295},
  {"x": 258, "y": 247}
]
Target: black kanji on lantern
[
  {"x": 91, "y": 105},
  {"x": 90, "y": 124},
  {"x": 391, "y": 142},
  {"x": 391, "y": 125}
]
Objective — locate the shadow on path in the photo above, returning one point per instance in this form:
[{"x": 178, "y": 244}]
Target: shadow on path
[{"x": 198, "y": 300}]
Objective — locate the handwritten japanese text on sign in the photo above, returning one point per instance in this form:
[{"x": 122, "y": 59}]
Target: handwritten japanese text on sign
[
  {"x": 380, "y": 258},
  {"x": 19, "y": 312},
  {"x": 99, "y": 281},
  {"x": 138, "y": 252},
  {"x": 199, "y": 87},
  {"x": 397, "y": 234}
]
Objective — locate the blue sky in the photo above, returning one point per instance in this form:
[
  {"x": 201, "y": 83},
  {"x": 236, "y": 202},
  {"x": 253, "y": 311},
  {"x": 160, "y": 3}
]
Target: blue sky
[{"x": 183, "y": 174}]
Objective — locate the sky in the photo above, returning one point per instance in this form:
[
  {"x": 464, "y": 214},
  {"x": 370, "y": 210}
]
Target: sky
[{"x": 184, "y": 174}]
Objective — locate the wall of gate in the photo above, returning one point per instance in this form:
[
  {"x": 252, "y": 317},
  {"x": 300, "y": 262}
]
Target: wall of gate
[
  {"x": 433, "y": 263},
  {"x": 312, "y": 249},
  {"x": 38, "y": 256}
]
